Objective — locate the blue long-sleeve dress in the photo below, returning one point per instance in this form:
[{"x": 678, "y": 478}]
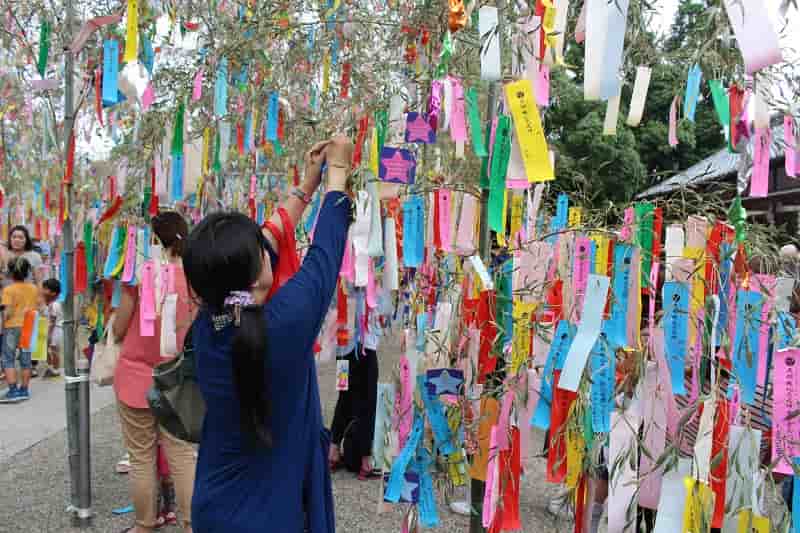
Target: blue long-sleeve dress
[{"x": 286, "y": 488}]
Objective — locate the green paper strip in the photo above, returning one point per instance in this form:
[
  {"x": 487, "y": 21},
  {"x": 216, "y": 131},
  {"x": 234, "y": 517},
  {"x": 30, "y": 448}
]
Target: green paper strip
[
  {"x": 497, "y": 180},
  {"x": 738, "y": 217},
  {"x": 177, "y": 136},
  {"x": 644, "y": 237},
  {"x": 484, "y": 181},
  {"x": 217, "y": 163},
  {"x": 89, "y": 244},
  {"x": 381, "y": 124},
  {"x": 44, "y": 48},
  {"x": 720, "y": 97},
  {"x": 478, "y": 145},
  {"x": 278, "y": 148}
]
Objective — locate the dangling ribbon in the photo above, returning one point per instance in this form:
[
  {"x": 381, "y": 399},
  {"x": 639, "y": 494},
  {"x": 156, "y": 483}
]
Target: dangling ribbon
[
  {"x": 44, "y": 47},
  {"x": 132, "y": 32}
]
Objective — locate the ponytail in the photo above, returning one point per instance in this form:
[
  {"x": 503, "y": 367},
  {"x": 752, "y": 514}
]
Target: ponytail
[{"x": 249, "y": 354}]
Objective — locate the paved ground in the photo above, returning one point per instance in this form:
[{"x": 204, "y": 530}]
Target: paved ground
[{"x": 34, "y": 481}]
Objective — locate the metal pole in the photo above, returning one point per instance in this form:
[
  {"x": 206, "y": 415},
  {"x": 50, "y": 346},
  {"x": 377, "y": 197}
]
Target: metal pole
[
  {"x": 477, "y": 486},
  {"x": 76, "y": 372}
]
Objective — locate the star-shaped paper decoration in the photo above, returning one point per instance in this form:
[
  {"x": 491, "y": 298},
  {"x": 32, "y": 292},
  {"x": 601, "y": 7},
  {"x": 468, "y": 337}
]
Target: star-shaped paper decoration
[
  {"x": 419, "y": 130},
  {"x": 410, "y": 491},
  {"x": 397, "y": 166},
  {"x": 444, "y": 381}
]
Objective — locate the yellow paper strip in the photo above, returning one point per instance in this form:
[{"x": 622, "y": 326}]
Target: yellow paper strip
[
  {"x": 574, "y": 217},
  {"x": 752, "y": 523},
  {"x": 206, "y": 147},
  {"x": 517, "y": 203},
  {"x": 528, "y": 124},
  {"x": 521, "y": 348},
  {"x": 132, "y": 33},
  {"x": 575, "y": 446},
  {"x": 373, "y": 153},
  {"x": 699, "y": 507},
  {"x": 602, "y": 245},
  {"x": 326, "y": 72}
]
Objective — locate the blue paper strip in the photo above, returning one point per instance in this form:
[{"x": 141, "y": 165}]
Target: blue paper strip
[
  {"x": 248, "y": 130},
  {"x": 395, "y": 485},
  {"x": 148, "y": 55},
  {"x": 422, "y": 327},
  {"x": 796, "y": 498},
  {"x": 312, "y": 215},
  {"x": 725, "y": 269},
  {"x": 176, "y": 191},
  {"x": 676, "y": 331},
  {"x": 113, "y": 253},
  {"x": 603, "y": 363},
  {"x": 559, "y": 347},
  {"x": 617, "y": 325},
  {"x": 64, "y": 278},
  {"x": 413, "y": 232},
  {"x": 745, "y": 346},
  {"x": 110, "y": 71},
  {"x": 692, "y": 91},
  {"x": 116, "y": 295},
  {"x": 787, "y": 329},
  {"x": 428, "y": 516},
  {"x": 435, "y": 411},
  {"x": 272, "y": 117},
  {"x": 221, "y": 89}
]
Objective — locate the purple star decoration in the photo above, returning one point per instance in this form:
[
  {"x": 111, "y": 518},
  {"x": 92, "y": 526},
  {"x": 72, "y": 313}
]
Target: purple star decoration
[
  {"x": 409, "y": 493},
  {"x": 397, "y": 166},
  {"x": 444, "y": 381},
  {"x": 419, "y": 130}
]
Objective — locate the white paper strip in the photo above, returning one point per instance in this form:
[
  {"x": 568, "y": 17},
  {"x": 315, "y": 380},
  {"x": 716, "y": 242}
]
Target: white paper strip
[
  {"x": 654, "y": 420},
  {"x": 783, "y": 293},
  {"x": 702, "y": 447},
  {"x": 673, "y": 246},
  {"x": 391, "y": 281},
  {"x": 490, "y": 43},
  {"x": 622, "y": 488},
  {"x": 483, "y": 274},
  {"x": 761, "y": 105},
  {"x": 605, "y": 35},
  {"x": 639, "y": 96},
  {"x": 562, "y": 9},
  {"x": 396, "y": 117},
  {"x": 743, "y": 452},
  {"x": 673, "y": 499},
  {"x": 754, "y": 32},
  {"x": 588, "y": 330},
  {"x": 612, "y": 115}
]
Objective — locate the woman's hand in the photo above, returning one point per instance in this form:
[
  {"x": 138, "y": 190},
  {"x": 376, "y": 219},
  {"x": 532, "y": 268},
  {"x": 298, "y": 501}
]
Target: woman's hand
[
  {"x": 314, "y": 159},
  {"x": 339, "y": 154}
]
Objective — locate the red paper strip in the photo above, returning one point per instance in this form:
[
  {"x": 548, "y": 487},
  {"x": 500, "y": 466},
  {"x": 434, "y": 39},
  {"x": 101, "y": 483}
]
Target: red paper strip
[
  {"x": 281, "y": 124},
  {"x": 70, "y": 158},
  {"x": 580, "y": 506},
  {"x": 153, "y": 207},
  {"x": 362, "y": 134},
  {"x": 719, "y": 448},
  {"x": 240, "y": 138},
  {"x": 98, "y": 94},
  {"x": 295, "y": 176},
  {"x": 557, "y": 451},
  {"x": 735, "y": 106},
  {"x": 510, "y": 473},
  {"x": 111, "y": 211},
  {"x": 437, "y": 237},
  {"x": 345, "y": 83},
  {"x": 488, "y": 327},
  {"x": 81, "y": 281}
]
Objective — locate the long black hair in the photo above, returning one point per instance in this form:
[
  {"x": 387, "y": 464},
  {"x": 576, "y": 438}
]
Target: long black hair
[
  {"x": 28, "y": 240},
  {"x": 225, "y": 253}
]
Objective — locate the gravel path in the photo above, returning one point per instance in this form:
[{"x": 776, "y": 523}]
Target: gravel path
[{"x": 35, "y": 484}]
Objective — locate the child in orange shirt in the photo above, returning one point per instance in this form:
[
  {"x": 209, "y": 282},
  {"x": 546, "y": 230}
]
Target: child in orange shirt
[{"x": 18, "y": 298}]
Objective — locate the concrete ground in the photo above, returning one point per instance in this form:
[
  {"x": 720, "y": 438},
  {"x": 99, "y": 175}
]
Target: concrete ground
[{"x": 34, "y": 483}]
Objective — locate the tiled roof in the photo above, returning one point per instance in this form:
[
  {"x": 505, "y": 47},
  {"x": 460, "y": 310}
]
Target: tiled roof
[{"x": 720, "y": 164}]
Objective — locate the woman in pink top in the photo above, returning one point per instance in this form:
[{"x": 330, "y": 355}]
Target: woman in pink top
[{"x": 134, "y": 377}]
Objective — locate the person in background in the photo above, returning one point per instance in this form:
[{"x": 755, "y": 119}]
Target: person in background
[
  {"x": 134, "y": 377},
  {"x": 51, "y": 308},
  {"x": 18, "y": 298},
  {"x": 355, "y": 407},
  {"x": 263, "y": 451},
  {"x": 20, "y": 244}
]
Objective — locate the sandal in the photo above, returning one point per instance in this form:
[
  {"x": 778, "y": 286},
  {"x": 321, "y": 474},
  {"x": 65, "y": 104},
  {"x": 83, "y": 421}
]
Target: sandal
[{"x": 365, "y": 475}]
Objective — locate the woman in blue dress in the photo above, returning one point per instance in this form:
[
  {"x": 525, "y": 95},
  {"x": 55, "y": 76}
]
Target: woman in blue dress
[{"x": 263, "y": 458}]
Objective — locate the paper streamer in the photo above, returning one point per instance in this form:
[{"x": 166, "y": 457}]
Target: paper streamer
[
  {"x": 745, "y": 347},
  {"x": 676, "y": 331},
  {"x": 759, "y": 181},
  {"x": 588, "y": 331},
  {"x": 132, "y": 31},
  {"x": 110, "y": 72},
  {"x": 669, "y": 518},
  {"x": 639, "y": 96},
  {"x": 692, "y": 91},
  {"x": 603, "y": 363},
  {"x": 559, "y": 347},
  {"x": 743, "y": 446},
  {"x": 792, "y": 150},
  {"x": 622, "y": 487},
  {"x": 757, "y": 39},
  {"x": 605, "y": 35},
  {"x": 786, "y": 402},
  {"x": 673, "y": 122},
  {"x": 654, "y": 420},
  {"x": 612, "y": 115},
  {"x": 490, "y": 43},
  {"x": 528, "y": 124}
]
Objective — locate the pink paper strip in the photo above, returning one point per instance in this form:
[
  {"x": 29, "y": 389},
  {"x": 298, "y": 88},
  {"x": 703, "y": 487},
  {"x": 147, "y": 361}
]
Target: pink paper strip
[
  {"x": 532, "y": 384},
  {"x": 404, "y": 410},
  {"x": 673, "y": 123},
  {"x": 458, "y": 121},
  {"x": 130, "y": 256},
  {"x": 627, "y": 225},
  {"x": 654, "y": 418},
  {"x": 792, "y": 147},
  {"x": 147, "y": 301},
  {"x": 148, "y": 96},
  {"x": 516, "y": 178},
  {"x": 786, "y": 430},
  {"x": 348, "y": 270},
  {"x": 759, "y": 182},
  {"x": 372, "y": 291},
  {"x": 502, "y": 422},
  {"x": 665, "y": 382},
  {"x": 634, "y": 315},
  {"x": 580, "y": 271},
  {"x": 490, "y": 495},
  {"x": 197, "y": 92},
  {"x": 530, "y": 268},
  {"x": 89, "y": 27},
  {"x": 622, "y": 487},
  {"x": 543, "y": 86},
  {"x": 444, "y": 220},
  {"x": 465, "y": 238}
]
